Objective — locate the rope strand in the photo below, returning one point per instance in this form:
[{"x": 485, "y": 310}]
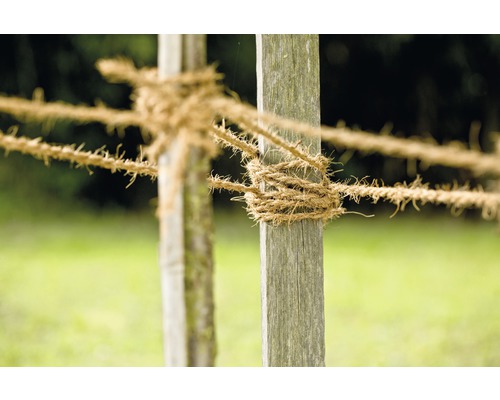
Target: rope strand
[{"x": 184, "y": 109}]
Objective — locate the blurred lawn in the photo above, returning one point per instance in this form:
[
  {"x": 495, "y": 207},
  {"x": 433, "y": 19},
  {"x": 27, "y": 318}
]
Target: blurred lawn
[{"x": 82, "y": 289}]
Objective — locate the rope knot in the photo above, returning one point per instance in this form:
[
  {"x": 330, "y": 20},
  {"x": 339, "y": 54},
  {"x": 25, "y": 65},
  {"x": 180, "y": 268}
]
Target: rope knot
[
  {"x": 283, "y": 192},
  {"x": 180, "y": 105},
  {"x": 178, "y": 113}
]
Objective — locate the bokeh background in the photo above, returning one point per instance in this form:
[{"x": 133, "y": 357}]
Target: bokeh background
[
  {"x": 79, "y": 282},
  {"x": 424, "y": 85}
]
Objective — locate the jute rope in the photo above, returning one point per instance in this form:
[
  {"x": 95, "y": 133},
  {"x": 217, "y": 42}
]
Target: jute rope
[
  {"x": 187, "y": 108},
  {"x": 415, "y": 192},
  {"x": 429, "y": 153},
  {"x": 100, "y": 158},
  {"x": 399, "y": 195},
  {"x": 282, "y": 203},
  {"x": 285, "y": 196},
  {"x": 39, "y": 111},
  {"x": 190, "y": 99}
]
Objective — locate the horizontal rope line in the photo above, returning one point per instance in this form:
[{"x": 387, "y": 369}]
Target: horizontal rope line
[
  {"x": 183, "y": 110},
  {"x": 122, "y": 70},
  {"x": 475, "y": 161},
  {"x": 489, "y": 202},
  {"x": 397, "y": 195},
  {"x": 100, "y": 158},
  {"x": 232, "y": 141},
  {"x": 27, "y": 110},
  {"x": 432, "y": 154},
  {"x": 416, "y": 192}
]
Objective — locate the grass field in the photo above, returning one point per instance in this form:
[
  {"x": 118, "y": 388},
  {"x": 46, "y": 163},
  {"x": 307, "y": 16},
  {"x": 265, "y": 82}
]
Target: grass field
[{"x": 82, "y": 289}]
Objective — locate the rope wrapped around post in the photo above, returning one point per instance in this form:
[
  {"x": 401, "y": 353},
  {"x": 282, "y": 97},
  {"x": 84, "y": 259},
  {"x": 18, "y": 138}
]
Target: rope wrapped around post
[
  {"x": 285, "y": 197},
  {"x": 179, "y": 106},
  {"x": 190, "y": 106}
]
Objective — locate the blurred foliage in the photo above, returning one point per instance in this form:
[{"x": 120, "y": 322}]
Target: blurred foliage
[
  {"x": 419, "y": 84},
  {"x": 423, "y": 85},
  {"x": 64, "y": 66}
]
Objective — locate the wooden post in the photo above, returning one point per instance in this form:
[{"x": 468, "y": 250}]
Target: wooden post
[
  {"x": 171, "y": 250},
  {"x": 186, "y": 233},
  {"x": 291, "y": 256},
  {"x": 198, "y": 233}
]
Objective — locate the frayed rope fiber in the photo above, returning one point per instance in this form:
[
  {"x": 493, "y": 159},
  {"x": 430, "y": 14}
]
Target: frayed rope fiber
[
  {"x": 400, "y": 195},
  {"x": 190, "y": 110},
  {"x": 100, "y": 158},
  {"x": 289, "y": 199}
]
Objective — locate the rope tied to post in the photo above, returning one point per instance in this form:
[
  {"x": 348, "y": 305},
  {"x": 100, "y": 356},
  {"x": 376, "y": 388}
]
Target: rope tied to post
[
  {"x": 178, "y": 112},
  {"x": 177, "y": 106},
  {"x": 285, "y": 194},
  {"x": 189, "y": 110}
]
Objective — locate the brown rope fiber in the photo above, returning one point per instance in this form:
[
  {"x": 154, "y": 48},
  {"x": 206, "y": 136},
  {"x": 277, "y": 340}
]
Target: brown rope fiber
[
  {"x": 432, "y": 154},
  {"x": 186, "y": 109},
  {"x": 399, "y": 195},
  {"x": 100, "y": 158},
  {"x": 38, "y": 111},
  {"x": 290, "y": 199}
]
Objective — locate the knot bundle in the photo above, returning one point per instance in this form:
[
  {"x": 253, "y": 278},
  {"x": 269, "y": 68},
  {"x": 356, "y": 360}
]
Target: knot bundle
[
  {"x": 176, "y": 109},
  {"x": 178, "y": 106},
  {"x": 287, "y": 193},
  {"x": 189, "y": 110}
]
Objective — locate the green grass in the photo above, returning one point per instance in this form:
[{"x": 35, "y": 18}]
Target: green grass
[
  {"x": 412, "y": 292},
  {"x": 82, "y": 289}
]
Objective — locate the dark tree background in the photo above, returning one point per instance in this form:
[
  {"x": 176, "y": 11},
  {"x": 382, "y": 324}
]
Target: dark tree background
[{"x": 419, "y": 84}]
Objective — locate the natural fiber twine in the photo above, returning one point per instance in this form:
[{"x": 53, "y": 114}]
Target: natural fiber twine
[
  {"x": 189, "y": 109},
  {"x": 297, "y": 197},
  {"x": 408, "y": 148},
  {"x": 100, "y": 158},
  {"x": 286, "y": 197},
  {"x": 180, "y": 106}
]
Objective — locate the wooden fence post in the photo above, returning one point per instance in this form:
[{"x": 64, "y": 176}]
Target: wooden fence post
[
  {"x": 186, "y": 233},
  {"x": 171, "y": 250},
  {"x": 291, "y": 256},
  {"x": 198, "y": 233}
]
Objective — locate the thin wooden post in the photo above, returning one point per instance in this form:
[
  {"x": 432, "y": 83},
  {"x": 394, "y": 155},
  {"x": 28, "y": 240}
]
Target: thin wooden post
[
  {"x": 186, "y": 233},
  {"x": 198, "y": 233},
  {"x": 171, "y": 250},
  {"x": 291, "y": 256}
]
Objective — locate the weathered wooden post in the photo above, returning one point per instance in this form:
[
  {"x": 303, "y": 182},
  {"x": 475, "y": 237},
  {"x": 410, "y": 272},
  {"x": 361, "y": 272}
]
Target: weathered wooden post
[
  {"x": 186, "y": 233},
  {"x": 198, "y": 233},
  {"x": 291, "y": 256}
]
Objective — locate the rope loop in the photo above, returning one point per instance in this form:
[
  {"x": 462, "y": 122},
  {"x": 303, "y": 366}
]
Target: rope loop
[{"x": 285, "y": 194}]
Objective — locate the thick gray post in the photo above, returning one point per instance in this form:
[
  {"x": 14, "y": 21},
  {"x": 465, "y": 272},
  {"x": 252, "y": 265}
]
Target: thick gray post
[{"x": 291, "y": 256}]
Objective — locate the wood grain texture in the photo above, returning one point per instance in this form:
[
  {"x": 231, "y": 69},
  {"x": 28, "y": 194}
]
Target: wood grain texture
[
  {"x": 291, "y": 256},
  {"x": 171, "y": 246},
  {"x": 198, "y": 234}
]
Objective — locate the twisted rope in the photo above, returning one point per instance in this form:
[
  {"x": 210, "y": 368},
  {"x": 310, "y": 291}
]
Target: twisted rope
[
  {"x": 100, "y": 158},
  {"x": 187, "y": 107},
  {"x": 286, "y": 198},
  {"x": 431, "y": 154}
]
